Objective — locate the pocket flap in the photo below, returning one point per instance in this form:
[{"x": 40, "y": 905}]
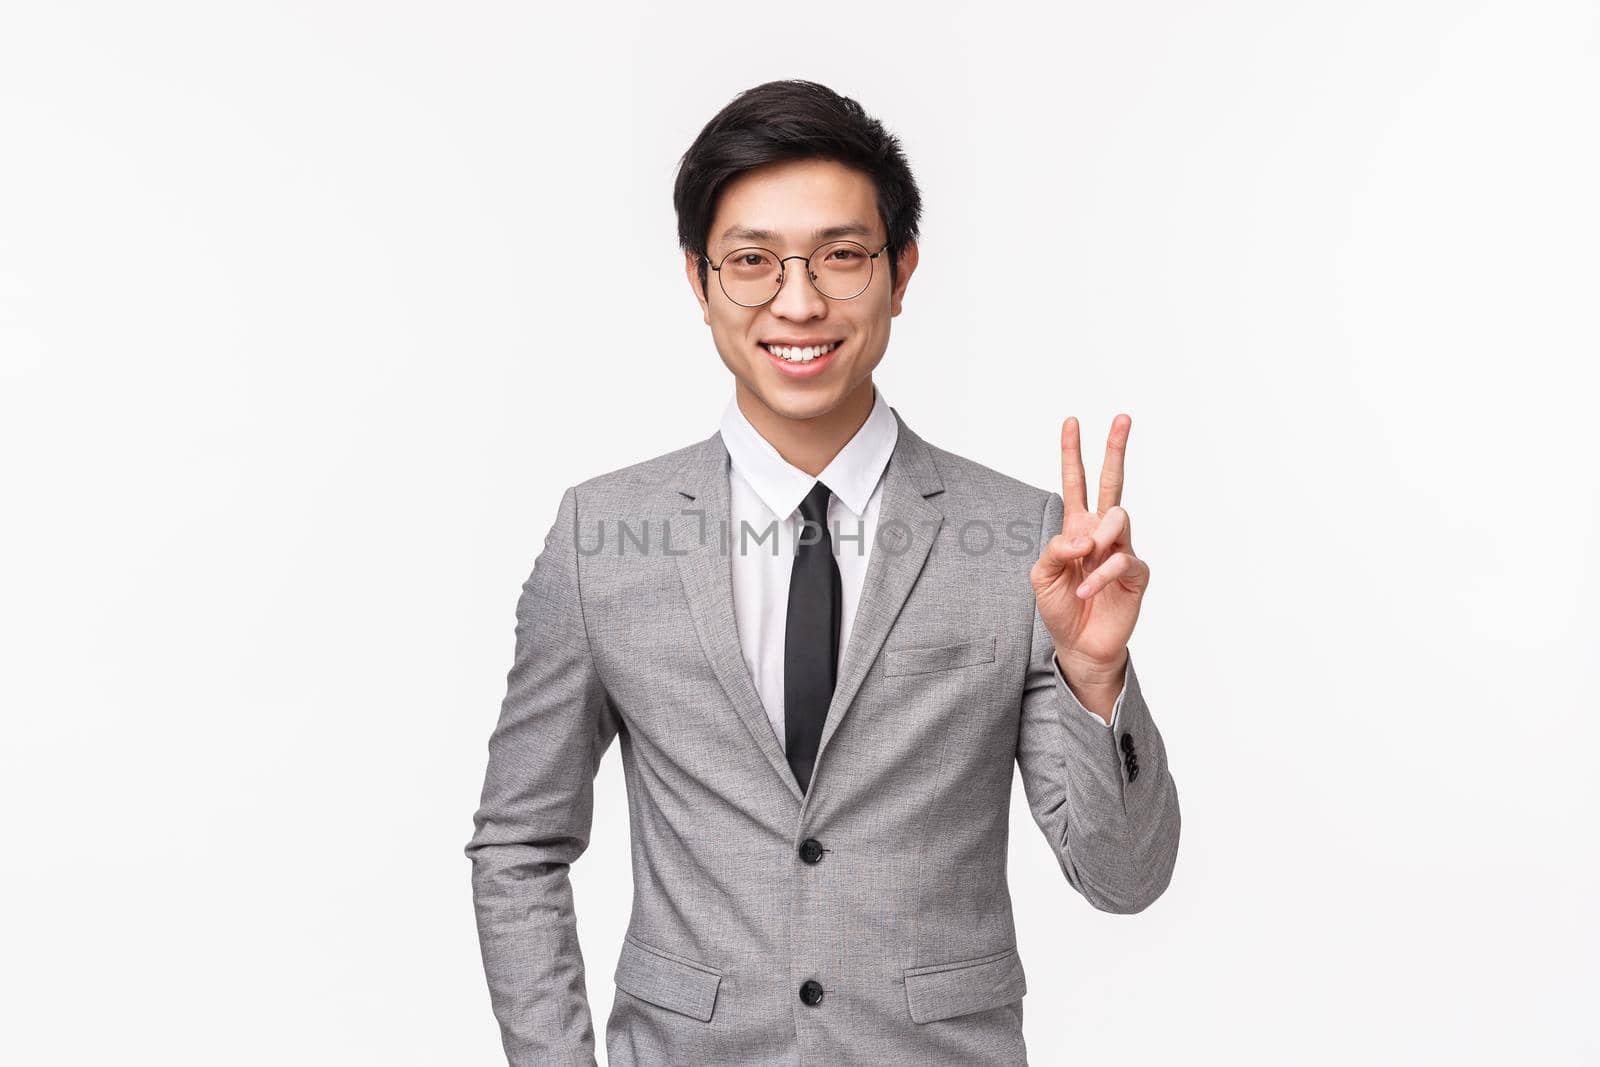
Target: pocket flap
[
  {"x": 671, "y": 982},
  {"x": 945, "y": 990},
  {"x": 922, "y": 660}
]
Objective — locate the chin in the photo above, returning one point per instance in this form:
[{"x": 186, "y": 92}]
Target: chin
[
  {"x": 798, "y": 402},
  {"x": 790, "y": 406}
]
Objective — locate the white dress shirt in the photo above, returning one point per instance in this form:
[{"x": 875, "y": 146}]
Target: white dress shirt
[{"x": 764, "y": 493}]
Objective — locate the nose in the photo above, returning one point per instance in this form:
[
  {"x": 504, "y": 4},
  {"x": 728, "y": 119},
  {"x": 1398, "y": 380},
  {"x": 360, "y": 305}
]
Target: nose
[{"x": 797, "y": 299}]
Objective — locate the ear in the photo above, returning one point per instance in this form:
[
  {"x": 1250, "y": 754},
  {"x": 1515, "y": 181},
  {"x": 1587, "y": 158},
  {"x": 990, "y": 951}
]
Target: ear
[
  {"x": 691, "y": 270},
  {"x": 903, "y": 268}
]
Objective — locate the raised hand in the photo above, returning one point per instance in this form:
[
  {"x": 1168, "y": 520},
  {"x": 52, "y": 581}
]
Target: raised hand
[{"x": 1087, "y": 582}]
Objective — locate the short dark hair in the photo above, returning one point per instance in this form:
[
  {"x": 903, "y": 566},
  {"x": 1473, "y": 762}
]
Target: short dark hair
[{"x": 786, "y": 120}]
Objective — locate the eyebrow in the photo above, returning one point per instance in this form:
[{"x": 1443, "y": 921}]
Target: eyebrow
[{"x": 826, "y": 233}]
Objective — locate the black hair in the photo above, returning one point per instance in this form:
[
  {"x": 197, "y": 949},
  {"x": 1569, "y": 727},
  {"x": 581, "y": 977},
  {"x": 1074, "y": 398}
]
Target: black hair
[{"x": 786, "y": 120}]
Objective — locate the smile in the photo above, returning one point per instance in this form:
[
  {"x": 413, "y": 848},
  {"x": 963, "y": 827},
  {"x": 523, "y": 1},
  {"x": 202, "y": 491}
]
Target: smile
[{"x": 791, "y": 354}]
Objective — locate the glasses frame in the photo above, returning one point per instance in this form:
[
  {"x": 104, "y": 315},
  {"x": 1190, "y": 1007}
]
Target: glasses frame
[{"x": 810, "y": 274}]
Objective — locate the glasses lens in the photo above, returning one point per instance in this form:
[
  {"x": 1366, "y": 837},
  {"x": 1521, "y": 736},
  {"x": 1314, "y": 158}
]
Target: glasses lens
[
  {"x": 750, "y": 276},
  {"x": 841, "y": 269}
]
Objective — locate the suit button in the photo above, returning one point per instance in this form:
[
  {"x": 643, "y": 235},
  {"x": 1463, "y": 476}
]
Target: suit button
[
  {"x": 811, "y": 992},
  {"x": 1133, "y": 772},
  {"x": 1127, "y": 742},
  {"x": 811, "y": 850}
]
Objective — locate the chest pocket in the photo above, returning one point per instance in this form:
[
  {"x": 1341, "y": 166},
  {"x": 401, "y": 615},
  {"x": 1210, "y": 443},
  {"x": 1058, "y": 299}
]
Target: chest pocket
[{"x": 897, "y": 661}]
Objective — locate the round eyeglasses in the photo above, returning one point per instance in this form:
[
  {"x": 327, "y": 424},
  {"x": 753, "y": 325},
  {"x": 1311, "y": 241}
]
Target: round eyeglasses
[{"x": 839, "y": 270}]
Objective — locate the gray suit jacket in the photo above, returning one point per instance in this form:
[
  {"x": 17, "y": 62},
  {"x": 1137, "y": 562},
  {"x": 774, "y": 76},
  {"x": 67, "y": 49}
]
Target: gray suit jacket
[{"x": 905, "y": 920}]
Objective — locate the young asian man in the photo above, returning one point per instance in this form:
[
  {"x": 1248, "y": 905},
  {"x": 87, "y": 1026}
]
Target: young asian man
[{"x": 823, "y": 643}]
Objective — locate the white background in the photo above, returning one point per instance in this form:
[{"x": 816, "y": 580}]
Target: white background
[{"x": 309, "y": 312}]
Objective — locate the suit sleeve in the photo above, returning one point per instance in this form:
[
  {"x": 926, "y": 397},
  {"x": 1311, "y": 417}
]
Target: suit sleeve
[
  {"x": 534, "y": 818},
  {"x": 1104, "y": 799}
]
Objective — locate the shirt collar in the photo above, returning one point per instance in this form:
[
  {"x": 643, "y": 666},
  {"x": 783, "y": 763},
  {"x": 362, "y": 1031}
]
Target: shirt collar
[{"x": 852, "y": 474}]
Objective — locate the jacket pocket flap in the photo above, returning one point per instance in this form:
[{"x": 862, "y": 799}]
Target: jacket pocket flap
[
  {"x": 668, "y": 981},
  {"x": 945, "y": 990},
  {"x": 923, "y": 660}
]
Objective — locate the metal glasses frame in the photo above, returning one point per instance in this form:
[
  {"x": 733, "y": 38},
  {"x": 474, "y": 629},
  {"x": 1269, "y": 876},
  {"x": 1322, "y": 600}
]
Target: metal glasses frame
[{"x": 782, "y": 271}]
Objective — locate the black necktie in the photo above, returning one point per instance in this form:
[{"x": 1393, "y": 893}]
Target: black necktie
[{"x": 811, "y": 637}]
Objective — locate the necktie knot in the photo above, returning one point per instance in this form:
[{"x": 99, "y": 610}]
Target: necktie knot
[{"x": 814, "y": 508}]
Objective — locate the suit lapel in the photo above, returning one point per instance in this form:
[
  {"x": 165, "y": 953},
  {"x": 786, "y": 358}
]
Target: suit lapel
[
  {"x": 707, "y": 571},
  {"x": 907, "y": 527}
]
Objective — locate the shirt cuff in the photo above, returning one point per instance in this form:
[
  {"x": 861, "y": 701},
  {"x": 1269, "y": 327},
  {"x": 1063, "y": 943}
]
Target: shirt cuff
[{"x": 1116, "y": 709}]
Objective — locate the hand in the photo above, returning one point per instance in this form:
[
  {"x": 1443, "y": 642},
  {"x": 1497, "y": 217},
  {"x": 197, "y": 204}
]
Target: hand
[{"x": 1087, "y": 582}]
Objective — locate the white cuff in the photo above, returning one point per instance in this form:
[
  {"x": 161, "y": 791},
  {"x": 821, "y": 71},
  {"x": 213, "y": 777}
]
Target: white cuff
[{"x": 1116, "y": 709}]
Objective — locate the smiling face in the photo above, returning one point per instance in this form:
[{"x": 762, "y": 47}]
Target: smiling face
[{"x": 802, "y": 355}]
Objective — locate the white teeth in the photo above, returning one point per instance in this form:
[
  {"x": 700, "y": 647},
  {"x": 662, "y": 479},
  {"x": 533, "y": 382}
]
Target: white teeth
[{"x": 801, "y": 355}]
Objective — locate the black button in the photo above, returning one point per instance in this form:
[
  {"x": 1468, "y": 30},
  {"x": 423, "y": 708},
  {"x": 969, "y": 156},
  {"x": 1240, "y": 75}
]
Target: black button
[
  {"x": 1133, "y": 772},
  {"x": 811, "y": 992},
  {"x": 1127, "y": 742},
  {"x": 811, "y": 850}
]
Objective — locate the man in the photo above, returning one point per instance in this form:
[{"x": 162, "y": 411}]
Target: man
[{"x": 817, "y": 742}]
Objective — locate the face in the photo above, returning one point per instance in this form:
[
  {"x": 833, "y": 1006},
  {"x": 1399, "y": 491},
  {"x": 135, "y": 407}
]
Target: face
[{"x": 791, "y": 208}]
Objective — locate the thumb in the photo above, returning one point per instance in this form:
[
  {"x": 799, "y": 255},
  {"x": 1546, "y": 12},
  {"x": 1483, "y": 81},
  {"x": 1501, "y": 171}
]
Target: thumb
[{"x": 1059, "y": 553}]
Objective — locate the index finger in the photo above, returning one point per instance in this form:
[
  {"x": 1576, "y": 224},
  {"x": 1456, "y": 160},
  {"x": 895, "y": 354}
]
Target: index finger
[
  {"x": 1073, "y": 500},
  {"x": 1111, "y": 472}
]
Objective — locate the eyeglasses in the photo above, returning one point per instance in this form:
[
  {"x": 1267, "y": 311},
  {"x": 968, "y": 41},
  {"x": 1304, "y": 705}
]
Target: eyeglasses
[{"x": 839, "y": 270}]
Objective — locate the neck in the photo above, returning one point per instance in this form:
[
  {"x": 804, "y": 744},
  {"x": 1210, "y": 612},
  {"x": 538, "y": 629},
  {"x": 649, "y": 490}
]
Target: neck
[{"x": 809, "y": 444}]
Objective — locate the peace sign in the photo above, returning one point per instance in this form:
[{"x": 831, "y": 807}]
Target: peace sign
[{"x": 1087, "y": 582}]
